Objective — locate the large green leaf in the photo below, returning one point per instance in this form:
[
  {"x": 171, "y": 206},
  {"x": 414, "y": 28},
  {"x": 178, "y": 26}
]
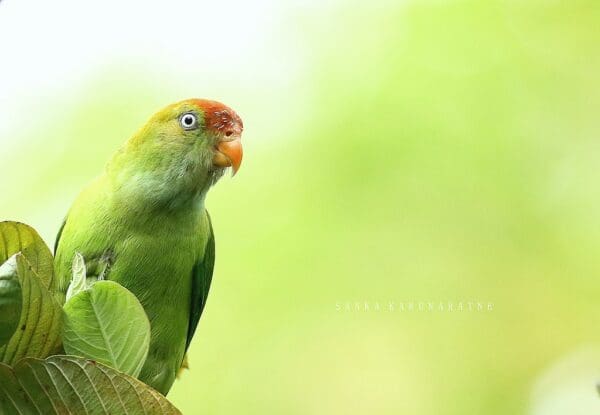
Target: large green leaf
[
  {"x": 11, "y": 301},
  {"x": 18, "y": 237},
  {"x": 39, "y": 327},
  {"x": 107, "y": 323},
  {"x": 72, "y": 385}
]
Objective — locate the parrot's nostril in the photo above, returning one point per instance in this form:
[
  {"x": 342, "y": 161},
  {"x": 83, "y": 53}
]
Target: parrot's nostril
[{"x": 228, "y": 133}]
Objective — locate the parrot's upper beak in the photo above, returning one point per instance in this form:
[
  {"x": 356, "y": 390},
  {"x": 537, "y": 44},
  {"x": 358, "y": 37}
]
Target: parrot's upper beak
[{"x": 229, "y": 153}]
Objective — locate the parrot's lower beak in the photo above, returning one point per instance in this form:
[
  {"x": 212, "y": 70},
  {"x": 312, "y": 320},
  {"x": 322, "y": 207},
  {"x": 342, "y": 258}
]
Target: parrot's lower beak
[{"x": 229, "y": 153}]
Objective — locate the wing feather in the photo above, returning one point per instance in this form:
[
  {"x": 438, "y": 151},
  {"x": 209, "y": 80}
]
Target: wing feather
[{"x": 201, "y": 279}]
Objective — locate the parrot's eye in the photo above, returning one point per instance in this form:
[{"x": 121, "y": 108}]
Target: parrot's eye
[{"x": 188, "y": 121}]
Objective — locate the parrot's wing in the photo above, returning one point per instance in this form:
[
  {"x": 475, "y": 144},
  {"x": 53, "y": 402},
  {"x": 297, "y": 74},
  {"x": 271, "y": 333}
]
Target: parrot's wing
[
  {"x": 201, "y": 278},
  {"x": 58, "y": 235}
]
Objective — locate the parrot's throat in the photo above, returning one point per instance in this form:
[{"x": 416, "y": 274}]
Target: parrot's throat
[{"x": 182, "y": 187}]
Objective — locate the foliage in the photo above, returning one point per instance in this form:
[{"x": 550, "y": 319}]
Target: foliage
[
  {"x": 95, "y": 327},
  {"x": 38, "y": 332},
  {"x": 17, "y": 237},
  {"x": 68, "y": 384},
  {"x": 78, "y": 283},
  {"x": 10, "y": 302},
  {"x": 102, "y": 326}
]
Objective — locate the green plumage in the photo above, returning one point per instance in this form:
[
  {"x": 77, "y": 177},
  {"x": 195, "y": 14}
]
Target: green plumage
[{"x": 143, "y": 224}]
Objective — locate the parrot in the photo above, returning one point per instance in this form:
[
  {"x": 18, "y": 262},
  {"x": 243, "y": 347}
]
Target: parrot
[{"x": 143, "y": 224}]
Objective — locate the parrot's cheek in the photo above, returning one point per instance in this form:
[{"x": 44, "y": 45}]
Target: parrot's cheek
[{"x": 229, "y": 154}]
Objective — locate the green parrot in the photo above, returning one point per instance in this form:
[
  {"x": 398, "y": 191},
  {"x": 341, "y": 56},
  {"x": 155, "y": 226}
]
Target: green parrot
[{"x": 143, "y": 223}]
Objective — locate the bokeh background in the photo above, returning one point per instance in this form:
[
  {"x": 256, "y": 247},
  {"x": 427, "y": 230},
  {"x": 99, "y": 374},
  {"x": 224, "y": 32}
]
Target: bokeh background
[{"x": 395, "y": 152}]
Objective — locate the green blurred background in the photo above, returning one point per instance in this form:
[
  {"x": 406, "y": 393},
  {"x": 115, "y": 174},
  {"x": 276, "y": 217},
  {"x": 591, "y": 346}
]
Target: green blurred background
[{"x": 415, "y": 151}]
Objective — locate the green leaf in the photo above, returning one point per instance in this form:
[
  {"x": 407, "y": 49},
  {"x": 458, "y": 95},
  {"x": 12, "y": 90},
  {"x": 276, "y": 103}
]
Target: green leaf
[
  {"x": 18, "y": 237},
  {"x": 39, "y": 327},
  {"x": 107, "y": 323},
  {"x": 72, "y": 385},
  {"x": 78, "y": 283},
  {"x": 11, "y": 301}
]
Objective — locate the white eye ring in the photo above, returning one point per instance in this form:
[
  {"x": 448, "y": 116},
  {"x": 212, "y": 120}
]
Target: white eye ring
[{"x": 188, "y": 121}]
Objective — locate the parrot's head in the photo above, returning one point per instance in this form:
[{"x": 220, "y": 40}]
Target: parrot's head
[
  {"x": 207, "y": 131},
  {"x": 181, "y": 151}
]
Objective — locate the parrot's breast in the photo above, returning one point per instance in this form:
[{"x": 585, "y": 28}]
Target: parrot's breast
[{"x": 151, "y": 256}]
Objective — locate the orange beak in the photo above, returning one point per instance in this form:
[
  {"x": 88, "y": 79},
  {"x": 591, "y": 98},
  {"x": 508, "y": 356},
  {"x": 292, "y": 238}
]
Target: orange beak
[
  {"x": 229, "y": 154},
  {"x": 227, "y": 125}
]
